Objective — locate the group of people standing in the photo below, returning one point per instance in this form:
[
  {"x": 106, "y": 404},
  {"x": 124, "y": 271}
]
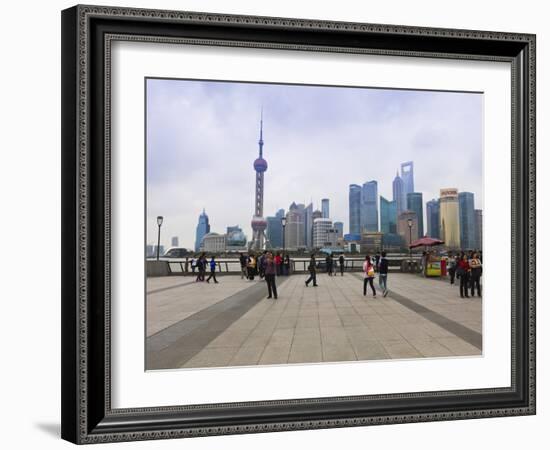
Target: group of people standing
[
  {"x": 331, "y": 264},
  {"x": 467, "y": 268},
  {"x": 200, "y": 265}
]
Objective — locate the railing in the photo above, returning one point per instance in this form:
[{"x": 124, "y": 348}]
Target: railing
[{"x": 297, "y": 265}]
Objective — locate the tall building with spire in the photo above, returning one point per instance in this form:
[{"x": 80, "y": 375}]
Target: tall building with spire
[
  {"x": 399, "y": 196},
  {"x": 203, "y": 228},
  {"x": 407, "y": 174},
  {"x": 259, "y": 224}
]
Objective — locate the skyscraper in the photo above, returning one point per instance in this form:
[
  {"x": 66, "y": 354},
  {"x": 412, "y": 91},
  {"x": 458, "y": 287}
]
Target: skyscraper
[
  {"x": 432, "y": 218},
  {"x": 308, "y": 224},
  {"x": 339, "y": 227},
  {"x": 354, "y": 209},
  {"x": 175, "y": 242},
  {"x": 467, "y": 220},
  {"x": 369, "y": 206},
  {"x": 399, "y": 194},
  {"x": 414, "y": 203},
  {"x": 407, "y": 174},
  {"x": 478, "y": 229},
  {"x": 409, "y": 234},
  {"x": 321, "y": 229},
  {"x": 449, "y": 225},
  {"x": 295, "y": 227},
  {"x": 388, "y": 216},
  {"x": 274, "y": 231},
  {"x": 325, "y": 208},
  {"x": 203, "y": 228},
  {"x": 259, "y": 224}
]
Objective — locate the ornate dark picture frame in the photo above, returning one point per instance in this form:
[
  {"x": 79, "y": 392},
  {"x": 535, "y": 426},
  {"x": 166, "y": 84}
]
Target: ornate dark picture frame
[{"x": 87, "y": 33}]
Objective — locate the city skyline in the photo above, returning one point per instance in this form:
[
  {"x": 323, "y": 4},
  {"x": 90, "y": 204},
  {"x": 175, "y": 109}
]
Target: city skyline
[{"x": 188, "y": 168}]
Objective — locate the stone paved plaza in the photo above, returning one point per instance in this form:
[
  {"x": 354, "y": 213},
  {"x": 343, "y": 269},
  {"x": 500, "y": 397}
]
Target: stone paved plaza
[{"x": 232, "y": 323}]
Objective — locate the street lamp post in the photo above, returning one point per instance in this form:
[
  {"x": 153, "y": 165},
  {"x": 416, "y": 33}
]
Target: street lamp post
[
  {"x": 159, "y": 223},
  {"x": 283, "y": 223},
  {"x": 410, "y": 224}
]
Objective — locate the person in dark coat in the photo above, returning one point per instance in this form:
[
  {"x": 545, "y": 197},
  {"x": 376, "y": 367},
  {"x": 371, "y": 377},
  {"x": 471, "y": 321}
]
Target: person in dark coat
[
  {"x": 270, "y": 270},
  {"x": 383, "y": 274},
  {"x": 341, "y": 261},
  {"x": 312, "y": 271}
]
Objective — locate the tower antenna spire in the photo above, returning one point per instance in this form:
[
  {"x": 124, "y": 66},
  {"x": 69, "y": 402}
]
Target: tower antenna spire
[{"x": 261, "y": 141}]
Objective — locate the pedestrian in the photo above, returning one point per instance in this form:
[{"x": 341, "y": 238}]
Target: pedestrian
[
  {"x": 212, "y": 270},
  {"x": 328, "y": 264},
  {"x": 368, "y": 269},
  {"x": 475, "y": 265},
  {"x": 286, "y": 264},
  {"x": 341, "y": 261},
  {"x": 463, "y": 271},
  {"x": 377, "y": 262},
  {"x": 312, "y": 271},
  {"x": 452, "y": 268},
  {"x": 193, "y": 264},
  {"x": 278, "y": 263},
  {"x": 383, "y": 274},
  {"x": 201, "y": 267},
  {"x": 260, "y": 264},
  {"x": 270, "y": 271},
  {"x": 251, "y": 267},
  {"x": 243, "y": 260}
]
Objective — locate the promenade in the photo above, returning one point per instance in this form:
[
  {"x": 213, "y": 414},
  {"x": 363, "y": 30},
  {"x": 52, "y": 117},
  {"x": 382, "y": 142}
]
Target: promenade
[{"x": 191, "y": 325}]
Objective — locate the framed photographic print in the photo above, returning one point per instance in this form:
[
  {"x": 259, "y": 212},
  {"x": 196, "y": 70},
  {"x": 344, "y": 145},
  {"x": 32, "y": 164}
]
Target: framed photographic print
[{"x": 278, "y": 224}]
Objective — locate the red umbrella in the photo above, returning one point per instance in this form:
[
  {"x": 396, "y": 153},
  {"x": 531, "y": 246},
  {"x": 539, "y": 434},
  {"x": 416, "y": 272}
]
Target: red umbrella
[{"x": 426, "y": 241}]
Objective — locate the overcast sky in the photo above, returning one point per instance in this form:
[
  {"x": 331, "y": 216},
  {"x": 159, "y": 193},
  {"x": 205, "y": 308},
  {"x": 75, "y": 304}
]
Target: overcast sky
[{"x": 202, "y": 139}]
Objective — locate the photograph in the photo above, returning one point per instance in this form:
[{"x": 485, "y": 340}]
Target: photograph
[{"x": 311, "y": 224}]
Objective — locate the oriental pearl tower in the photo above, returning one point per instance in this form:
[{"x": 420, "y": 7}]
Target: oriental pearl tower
[{"x": 259, "y": 224}]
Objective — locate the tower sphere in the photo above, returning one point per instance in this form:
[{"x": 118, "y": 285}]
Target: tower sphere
[
  {"x": 258, "y": 223},
  {"x": 260, "y": 165}
]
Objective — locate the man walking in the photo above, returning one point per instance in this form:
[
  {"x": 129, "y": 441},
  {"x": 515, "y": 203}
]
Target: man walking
[
  {"x": 312, "y": 272},
  {"x": 341, "y": 261},
  {"x": 243, "y": 260},
  {"x": 383, "y": 273},
  {"x": 269, "y": 272},
  {"x": 212, "y": 270}
]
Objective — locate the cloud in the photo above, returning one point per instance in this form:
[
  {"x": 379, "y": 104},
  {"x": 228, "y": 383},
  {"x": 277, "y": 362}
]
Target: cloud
[{"x": 202, "y": 138}]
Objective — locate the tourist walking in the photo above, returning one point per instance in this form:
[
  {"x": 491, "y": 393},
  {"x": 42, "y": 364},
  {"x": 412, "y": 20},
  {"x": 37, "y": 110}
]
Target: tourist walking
[
  {"x": 463, "y": 271},
  {"x": 212, "y": 270},
  {"x": 251, "y": 267},
  {"x": 286, "y": 264},
  {"x": 453, "y": 263},
  {"x": 377, "y": 262},
  {"x": 243, "y": 260},
  {"x": 368, "y": 269},
  {"x": 475, "y": 266},
  {"x": 260, "y": 265},
  {"x": 193, "y": 264},
  {"x": 312, "y": 272},
  {"x": 383, "y": 274},
  {"x": 328, "y": 263},
  {"x": 270, "y": 271},
  {"x": 341, "y": 261},
  {"x": 278, "y": 263},
  {"x": 201, "y": 267}
]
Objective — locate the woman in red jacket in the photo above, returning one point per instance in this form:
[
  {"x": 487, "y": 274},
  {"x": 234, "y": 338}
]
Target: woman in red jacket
[{"x": 463, "y": 270}]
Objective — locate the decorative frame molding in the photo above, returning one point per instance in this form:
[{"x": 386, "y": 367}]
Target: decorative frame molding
[{"x": 87, "y": 34}]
